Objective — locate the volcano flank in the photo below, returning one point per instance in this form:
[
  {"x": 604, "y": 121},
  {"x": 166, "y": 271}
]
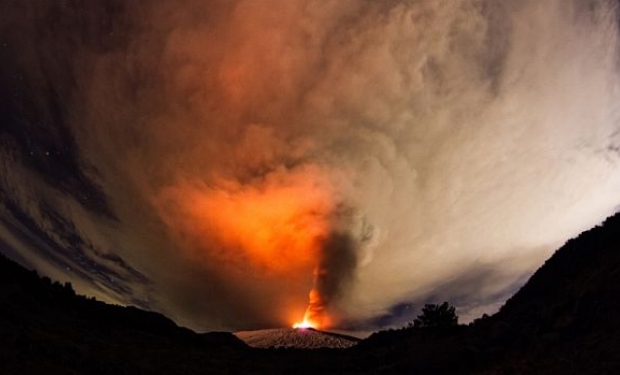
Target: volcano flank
[{"x": 301, "y": 338}]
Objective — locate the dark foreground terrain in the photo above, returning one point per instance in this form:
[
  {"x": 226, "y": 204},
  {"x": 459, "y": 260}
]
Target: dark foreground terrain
[{"x": 565, "y": 320}]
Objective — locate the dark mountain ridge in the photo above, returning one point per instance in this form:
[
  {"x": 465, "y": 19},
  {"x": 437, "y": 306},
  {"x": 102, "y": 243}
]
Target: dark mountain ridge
[
  {"x": 46, "y": 328},
  {"x": 566, "y": 319}
]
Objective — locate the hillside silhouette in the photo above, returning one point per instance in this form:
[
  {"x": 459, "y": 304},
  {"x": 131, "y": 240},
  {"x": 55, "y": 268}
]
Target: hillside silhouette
[
  {"x": 45, "y": 328},
  {"x": 566, "y": 319}
]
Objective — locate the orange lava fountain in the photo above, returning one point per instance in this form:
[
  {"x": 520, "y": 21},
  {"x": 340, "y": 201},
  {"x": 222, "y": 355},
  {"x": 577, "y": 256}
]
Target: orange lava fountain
[
  {"x": 315, "y": 316},
  {"x": 304, "y": 324}
]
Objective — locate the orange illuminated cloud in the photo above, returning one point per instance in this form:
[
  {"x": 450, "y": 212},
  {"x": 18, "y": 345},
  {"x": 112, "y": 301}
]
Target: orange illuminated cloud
[
  {"x": 274, "y": 228},
  {"x": 277, "y": 228},
  {"x": 277, "y": 225}
]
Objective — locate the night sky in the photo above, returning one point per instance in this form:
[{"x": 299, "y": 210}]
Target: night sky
[{"x": 243, "y": 164}]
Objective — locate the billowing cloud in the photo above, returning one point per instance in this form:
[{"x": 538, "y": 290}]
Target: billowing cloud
[{"x": 378, "y": 154}]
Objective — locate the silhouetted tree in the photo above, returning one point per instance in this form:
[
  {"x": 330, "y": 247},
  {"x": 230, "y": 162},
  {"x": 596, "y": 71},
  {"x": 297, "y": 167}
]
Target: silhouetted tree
[{"x": 436, "y": 316}]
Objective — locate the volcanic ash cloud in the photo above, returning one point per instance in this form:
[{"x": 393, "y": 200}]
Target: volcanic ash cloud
[
  {"x": 375, "y": 153},
  {"x": 438, "y": 139}
]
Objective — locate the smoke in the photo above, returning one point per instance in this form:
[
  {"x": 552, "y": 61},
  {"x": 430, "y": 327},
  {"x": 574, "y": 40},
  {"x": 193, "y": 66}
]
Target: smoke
[{"x": 374, "y": 153}]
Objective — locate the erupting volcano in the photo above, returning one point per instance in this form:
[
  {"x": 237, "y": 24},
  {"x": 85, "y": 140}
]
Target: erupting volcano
[
  {"x": 315, "y": 315},
  {"x": 304, "y": 324},
  {"x": 242, "y": 165},
  {"x": 312, "y": 317},
  {"x": 280, "y": 229}
]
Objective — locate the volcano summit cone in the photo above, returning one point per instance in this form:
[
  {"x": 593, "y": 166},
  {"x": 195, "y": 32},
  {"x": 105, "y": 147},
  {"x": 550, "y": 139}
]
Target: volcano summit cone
[{"x": 301, "y": 338}]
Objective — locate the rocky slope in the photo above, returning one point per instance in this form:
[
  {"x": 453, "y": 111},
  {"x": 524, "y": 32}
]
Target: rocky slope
[
  {"x": 45, "y": 328},
  {"x": 302, "y": 338}
]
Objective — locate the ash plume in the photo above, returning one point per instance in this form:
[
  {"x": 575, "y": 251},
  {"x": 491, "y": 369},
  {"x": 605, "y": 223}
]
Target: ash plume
[{"x": 221, "y": 140}]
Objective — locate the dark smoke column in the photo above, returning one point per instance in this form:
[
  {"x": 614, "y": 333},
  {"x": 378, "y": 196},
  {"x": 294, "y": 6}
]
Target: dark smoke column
[{"x": 331, "y": 277}]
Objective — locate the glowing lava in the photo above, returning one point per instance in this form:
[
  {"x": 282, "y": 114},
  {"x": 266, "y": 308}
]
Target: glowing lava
[
  {"x": 315, "y": 316},
  {"x": 304, "y": 324}
]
